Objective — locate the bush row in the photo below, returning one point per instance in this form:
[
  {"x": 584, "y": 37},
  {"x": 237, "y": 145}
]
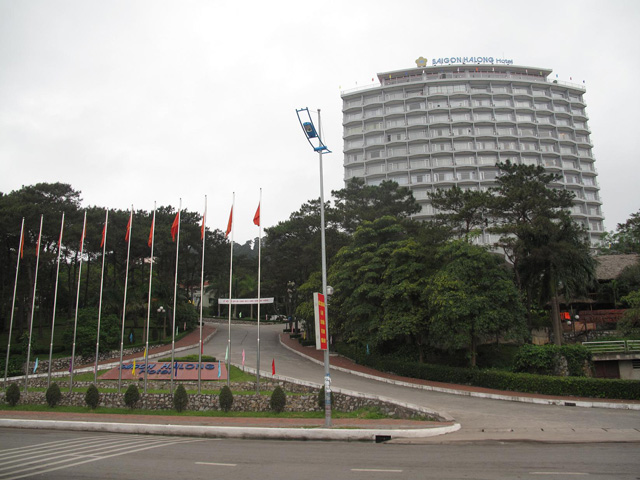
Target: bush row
[{"x": 502, "y": 380}]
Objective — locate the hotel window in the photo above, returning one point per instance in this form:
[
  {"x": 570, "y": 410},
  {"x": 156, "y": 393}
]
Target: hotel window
[
  {"x": 479, "y": 117},
  {"x": 396, "y": 151},
  {"x": 546, "y": 133},
  {"x": 487, "y": 159},
  {"x": 488, "y": 174},
  {"x": 378, "y": 168},
  {"x": 416, "y": 120},
  {"x": 568, "y": 178},
  {"x": 440, "y": 147},
  {"x": 484, "y": 130},
  {"x": 353, "y": 116},
  {"x": 419, "y": 163},
  {"x": 438, "y": 104},
  {"x": 457, "y": 117},
  {"x": 440, "y": 117},
  {"x": 438, "y": 132},
  {"x": 374, "y": 140},
  {"x": 395, "y": 166},
  {"x": 584, "y": 152},
  {"x": 463, "y": 145},
  {"x": 529, "y": 161},
  {"x": 419, "y": 148},
  {"x": 540, "y": 92},
  {"x": 468, "y": 175},
  {"x": 415, "y": 106},
  {"x": 421, "y": 178},
  {"x": 417, "y": 134},
  {"x": 548, "y": 147},
  {"x": 395, "y": 109},
  {"x": 525, "y": 117},
  {"x": 353, "y": 130},
  {"x": 447, "y": 89},
  {"x": 589, "y": 181},
  {"x": 503, "y": 102},
  {"x": 591, "y": 195},
  {"x": 504, "y": 117},
  {"x": 442, "y": 161},
  {"x": 521, "y": 90},
  {"x": 563, "y": 122},
  {"x": 594, "y": 210},
  {"x": 374, "y": 154},
  {"x": 356, "y": 143},
  {"x": 506, "y": 130},
  {"x": 372, "y": 126},
  {"x": 566, "y": 150},
  {"x": 528, "y": 132},
  {"x": 508, "y": 145},
  {"x": 551, "y": 162},
  {"x": 530, "y": 146},
  {"x": 523, "y": 103},
  {"x": 462, "y": 130},
  {"x": 486, "y": 145},
  {"x": 376, "y": 112},
  {"x": 569, "y": 164},
  {"x": 354, "y": 157},
  {"x": 482, "y": 102},
  {"x": 595, "y": 225},
  {"x": 394, "y": 137},
  {"x": 465, "y": 160},
  {"x": 459, "y": 103}
]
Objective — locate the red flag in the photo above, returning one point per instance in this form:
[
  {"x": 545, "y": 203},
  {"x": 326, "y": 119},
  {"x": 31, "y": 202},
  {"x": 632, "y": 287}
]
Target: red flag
[
  {"x": 229, "y": 224},
  {"x": 273, "y": 366},
  {"x": 151, "y": 234},
  {"x": 126, "y": 235},
  {"x": 256, "y": 217},
  {"x": 104, "y": 231},
  {"x": 202, "y": 229},
  {"x": 175, "y": 226}
]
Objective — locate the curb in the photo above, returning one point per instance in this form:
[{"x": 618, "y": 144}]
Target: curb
[
  {"x": 346, "y": 434},
  {"x": 568, "y": 402}
]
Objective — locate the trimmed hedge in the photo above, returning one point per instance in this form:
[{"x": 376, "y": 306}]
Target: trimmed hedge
[{"x": 502, "y": 380}]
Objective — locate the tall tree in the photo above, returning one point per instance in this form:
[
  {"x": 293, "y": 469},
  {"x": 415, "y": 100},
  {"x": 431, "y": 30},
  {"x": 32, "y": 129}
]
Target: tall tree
[
  {"x": 473, "y": 298},
  {"x": 548, "y": 250},
  {"x": 463, "y": 211},
  {"x": 358, "y": 202}
]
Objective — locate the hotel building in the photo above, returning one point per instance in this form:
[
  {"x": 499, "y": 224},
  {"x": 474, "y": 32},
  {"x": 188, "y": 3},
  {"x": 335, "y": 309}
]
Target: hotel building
[{"x": 438, "y": 126}]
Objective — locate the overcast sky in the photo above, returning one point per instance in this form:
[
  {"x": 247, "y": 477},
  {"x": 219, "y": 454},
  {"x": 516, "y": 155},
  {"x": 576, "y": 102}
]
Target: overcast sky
[{"x": 133, "y": 102}]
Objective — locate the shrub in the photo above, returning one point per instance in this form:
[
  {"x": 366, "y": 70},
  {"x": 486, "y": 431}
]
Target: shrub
[
  {"x": 225, "y": 399},
  {"x": 53, "y": 395},
  {"x": 321, "y": 396},
  {"x": 545, "y": 359},
  {"x": 131, "y": 396},
  {"x": 92, "y": 397},
  {"x": 12, "y": 394},
  {"x": 180, "y": 399},
  {"x": 278, "y": 400}
]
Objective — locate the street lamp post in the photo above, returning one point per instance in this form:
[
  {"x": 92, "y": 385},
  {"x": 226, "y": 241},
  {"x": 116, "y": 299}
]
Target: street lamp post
[{"x": 314, "y": 136}]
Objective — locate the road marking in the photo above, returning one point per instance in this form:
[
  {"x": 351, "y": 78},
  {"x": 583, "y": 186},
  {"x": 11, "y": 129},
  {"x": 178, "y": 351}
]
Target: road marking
[
  {"x": 558, "y": 473},
  {"x": 379, "y": 470},
  {"x": 218, "y": 464},
  {"x": 76, "y": 458}
]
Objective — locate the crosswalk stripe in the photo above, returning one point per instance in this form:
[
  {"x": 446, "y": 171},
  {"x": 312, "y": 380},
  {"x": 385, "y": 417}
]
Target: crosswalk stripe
[{"x": 87, "y": 458}]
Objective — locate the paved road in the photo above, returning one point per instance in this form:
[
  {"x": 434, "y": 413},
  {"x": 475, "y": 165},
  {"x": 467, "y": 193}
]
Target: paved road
[
  {"x": 479, "y": 417},
  {"x": 58, "y": 455}
]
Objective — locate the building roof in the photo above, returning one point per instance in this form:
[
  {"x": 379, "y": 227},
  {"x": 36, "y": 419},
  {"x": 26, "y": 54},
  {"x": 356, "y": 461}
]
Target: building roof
[{"x": 610, "y": 266}]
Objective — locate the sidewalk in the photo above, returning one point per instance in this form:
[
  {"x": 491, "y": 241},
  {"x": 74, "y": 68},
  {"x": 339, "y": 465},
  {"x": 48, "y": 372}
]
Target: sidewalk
[{"x": 341, "y": 363}]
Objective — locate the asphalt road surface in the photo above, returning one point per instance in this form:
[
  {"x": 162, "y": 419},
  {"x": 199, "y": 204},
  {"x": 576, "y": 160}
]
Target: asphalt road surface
[
  {"x": 58, "y": 455},
  {"x": 474, "y": 414}
]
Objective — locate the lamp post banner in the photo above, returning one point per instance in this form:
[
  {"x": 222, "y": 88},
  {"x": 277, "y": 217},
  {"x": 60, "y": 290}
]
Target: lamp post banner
[{"x": 321, "y": 321}]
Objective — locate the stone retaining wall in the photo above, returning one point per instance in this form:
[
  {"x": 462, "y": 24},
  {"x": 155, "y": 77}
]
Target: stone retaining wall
[{"x": 299, "y": 398}]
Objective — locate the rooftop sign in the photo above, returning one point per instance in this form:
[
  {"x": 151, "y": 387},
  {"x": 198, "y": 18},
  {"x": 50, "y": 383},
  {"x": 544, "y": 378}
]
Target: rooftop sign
[{"x": 422, "y": 62}]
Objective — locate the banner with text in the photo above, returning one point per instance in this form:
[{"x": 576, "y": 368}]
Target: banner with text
[{"x": 321, "y": 321}]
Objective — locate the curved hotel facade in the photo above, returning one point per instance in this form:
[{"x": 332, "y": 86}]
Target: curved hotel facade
[{"x": 439, "y": 126}]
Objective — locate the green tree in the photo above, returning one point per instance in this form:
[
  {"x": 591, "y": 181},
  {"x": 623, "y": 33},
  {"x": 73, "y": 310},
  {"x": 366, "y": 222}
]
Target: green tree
[
  {"x": 472, "y": 298},
  {"x": 630, "y": 322},
  {"x": 378, "y": 282},
  {"x": 92, "y": 397},
  {"x": 463, "y": 211},
  {"x": 626, "y": 238},
  {"x": 358, "y": 202},
  {"x": 549, "y": 251}
]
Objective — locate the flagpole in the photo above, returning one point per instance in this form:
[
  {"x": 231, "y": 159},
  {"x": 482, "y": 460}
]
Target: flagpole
[
  {"x": 259, "y": 265},
  {"x": 104, "y": 250},
  {"x": 55, "y": 300},
  {"x": 13, "y": 303},
  {"x": 124, "y": 303},
  {"x": 175, "y": 298},
  {"x": 33, "y": 304},
  {"x": 152, "y": 238},
  {"x": 75, "y": 322},
  {"x": 228, "y": 359},
  {"x": 204, "y": 220}
]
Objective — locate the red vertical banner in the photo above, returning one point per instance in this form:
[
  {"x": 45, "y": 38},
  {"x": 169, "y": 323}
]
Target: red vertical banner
[{"x": 321, "y": 321}]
